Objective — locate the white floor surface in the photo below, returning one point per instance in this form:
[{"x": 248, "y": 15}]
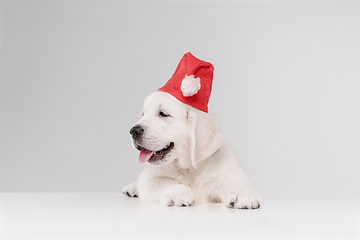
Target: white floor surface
[{"x": 114, "y": 216}]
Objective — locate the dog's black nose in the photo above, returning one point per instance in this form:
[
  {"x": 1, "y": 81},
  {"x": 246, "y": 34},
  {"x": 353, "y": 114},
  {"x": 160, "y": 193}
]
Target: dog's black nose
[{"x": 136, "y": 132}]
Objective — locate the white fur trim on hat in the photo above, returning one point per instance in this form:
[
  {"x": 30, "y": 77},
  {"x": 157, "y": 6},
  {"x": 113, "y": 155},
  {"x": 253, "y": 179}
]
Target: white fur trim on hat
[{"x": 190, "y": 85}]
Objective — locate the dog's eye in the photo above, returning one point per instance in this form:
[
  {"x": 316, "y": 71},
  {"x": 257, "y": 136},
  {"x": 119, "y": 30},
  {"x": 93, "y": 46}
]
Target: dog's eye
[{"x": 164, "y": 114}]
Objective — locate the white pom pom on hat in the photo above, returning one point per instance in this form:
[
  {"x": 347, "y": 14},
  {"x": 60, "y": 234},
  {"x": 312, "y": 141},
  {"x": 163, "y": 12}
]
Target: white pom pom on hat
[
  {"x": 190, "y": 85},
  {"x": 191, "y": 82}
]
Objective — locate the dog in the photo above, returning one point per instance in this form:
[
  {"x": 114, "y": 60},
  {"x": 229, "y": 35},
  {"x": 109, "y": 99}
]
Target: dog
[{"x": 187, "y": 158}]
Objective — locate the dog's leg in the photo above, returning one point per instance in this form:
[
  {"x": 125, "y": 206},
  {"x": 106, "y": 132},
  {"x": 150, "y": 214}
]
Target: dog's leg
[
  {"x": 240, "y": 195},
  {"x": 131, "y": 190},
  {"x": 167, "y": 191},
  {"x": 178, "y": 195}
]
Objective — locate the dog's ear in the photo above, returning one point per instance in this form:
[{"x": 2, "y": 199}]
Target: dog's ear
[{"x": 205, "y": 135}]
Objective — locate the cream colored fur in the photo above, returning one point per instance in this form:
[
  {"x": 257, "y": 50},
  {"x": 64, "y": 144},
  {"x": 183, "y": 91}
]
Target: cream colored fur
[{"x": 200, "y": 168}]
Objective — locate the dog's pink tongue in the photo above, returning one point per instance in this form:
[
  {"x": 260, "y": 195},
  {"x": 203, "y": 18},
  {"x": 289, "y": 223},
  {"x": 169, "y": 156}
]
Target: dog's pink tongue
[{"x": 145, "y": 155}]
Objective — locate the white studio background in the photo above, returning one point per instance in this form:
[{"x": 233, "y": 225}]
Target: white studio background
[{"x": 75, "y": 73}]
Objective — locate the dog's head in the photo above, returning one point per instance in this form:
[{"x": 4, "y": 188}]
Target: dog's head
[{"x": 170, "y": 130}]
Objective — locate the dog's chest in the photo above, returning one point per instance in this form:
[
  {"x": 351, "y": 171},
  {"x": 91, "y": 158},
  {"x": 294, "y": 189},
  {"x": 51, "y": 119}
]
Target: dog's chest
[{"x": 183, "y": 176}]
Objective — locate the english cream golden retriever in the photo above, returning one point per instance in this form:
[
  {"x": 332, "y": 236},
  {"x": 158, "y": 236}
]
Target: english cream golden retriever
[{"x": 187, "y": 159}]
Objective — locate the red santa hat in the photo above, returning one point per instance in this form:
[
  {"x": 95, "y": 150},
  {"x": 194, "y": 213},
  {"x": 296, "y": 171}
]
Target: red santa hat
[{"x": 191, "y": 83}]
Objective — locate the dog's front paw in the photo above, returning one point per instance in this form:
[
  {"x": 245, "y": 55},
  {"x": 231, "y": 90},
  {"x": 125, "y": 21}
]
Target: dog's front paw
[
  {"x": 179, "y": 195},
  {"x": 131, "y": 190},
  {"x": 246, "y": 199}
]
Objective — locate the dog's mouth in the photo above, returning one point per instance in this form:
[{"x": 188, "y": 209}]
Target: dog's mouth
[{"x": 150, "y": 156}]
